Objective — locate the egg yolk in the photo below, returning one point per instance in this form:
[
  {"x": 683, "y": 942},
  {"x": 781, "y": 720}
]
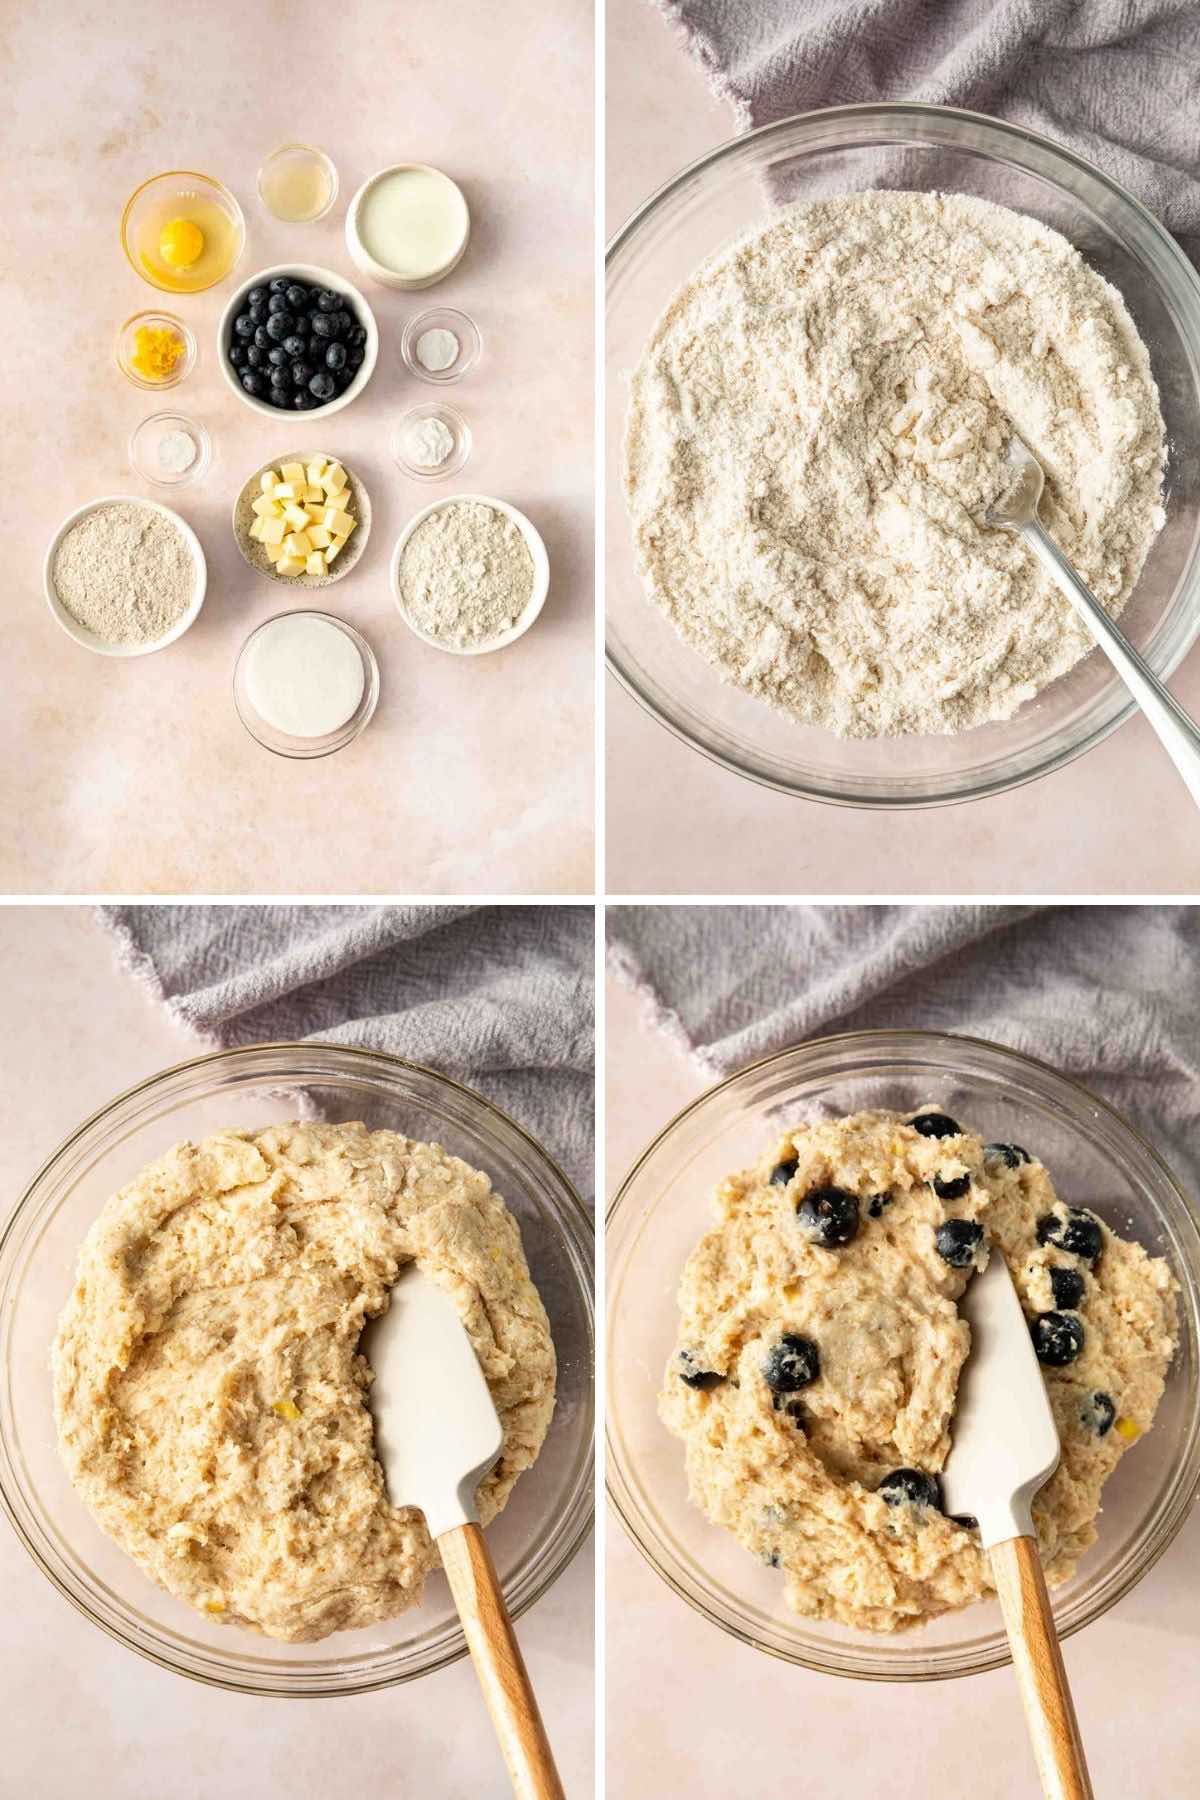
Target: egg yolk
[{"x": 181, "y": 243}]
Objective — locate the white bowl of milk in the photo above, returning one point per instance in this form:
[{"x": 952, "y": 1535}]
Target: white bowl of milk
[{"x": 408, "y": 226}]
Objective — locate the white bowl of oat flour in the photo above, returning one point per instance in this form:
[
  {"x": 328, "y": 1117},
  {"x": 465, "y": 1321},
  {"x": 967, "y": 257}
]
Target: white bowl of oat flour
[
  {"x": 470, "y": 574},
  {"x": 125, "y": 576}
]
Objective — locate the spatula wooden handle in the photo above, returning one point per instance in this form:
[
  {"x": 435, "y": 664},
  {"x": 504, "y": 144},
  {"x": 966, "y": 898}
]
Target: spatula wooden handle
[
  {"x": 499, "y": 1664},
  {"x": 1041, "y": 1676}
]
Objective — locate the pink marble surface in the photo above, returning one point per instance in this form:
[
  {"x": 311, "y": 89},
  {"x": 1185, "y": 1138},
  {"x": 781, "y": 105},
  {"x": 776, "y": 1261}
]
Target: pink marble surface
[
  {"x": 691, "y": 1711},
  {"x": 82, "y": 1715},
  {"x": 476, "y": 774},
  {"x": 1118, "y": 821}
]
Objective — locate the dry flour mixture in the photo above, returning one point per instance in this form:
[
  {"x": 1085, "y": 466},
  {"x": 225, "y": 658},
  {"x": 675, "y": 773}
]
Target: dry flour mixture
[{"x": 818, "y": 424}]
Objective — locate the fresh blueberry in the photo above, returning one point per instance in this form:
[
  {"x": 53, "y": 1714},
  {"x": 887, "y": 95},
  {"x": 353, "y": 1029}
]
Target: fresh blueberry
[
  {"x": 335, "y": 356},
  {"x": 302, "y": 374},
  {"x": 280, "y": 284},
  {"x": 237, "y": 355},
  {"x": 693, "y": 1375},
  {"x": 783, "y": 1171},
  {"x": 295, "y": 344},
  {"x": 356, "y": 358},
  {"x": 1057, "y": 1338},
  {"x": 243, "y": 327},
  {"x": 344, "y": 377},
  {"x": 256, "y": 297},
  {"x": 877, "y": 1202},
  {"x": 936, "y": 1125},
  {"x": 1079, "y": 1233},
  {"x": 327, "y": 302},
  {"x": 957, "y": 1240},
  {"x": 322, "y": 386},
  {"x": 279, "y": 301},
  {"x": 323, "y": 326},
  {"x": 254, "y": 383},
  {"x": 303, "y": 401},
  {"x": 953, "y": 1188},
  {"x": 1011, "y": 1155},
  {"x": 314, "y": 348},
  {"x": 297, "y": 296},
  {"x": 358, "y": 336},
  {"x": 792, "y": 1363},
  {"x": 909, "y": 1487},
  {"x": 277, "y": 356},
  {"x": 279, "y": 326},
  {"x": 1067, "y": 1287},
  {"x": 1098, "y": 1413},
  {"x": 281, "y": 377},
  {"x": 260, "y": 314},
  {"x": 279, "y": 396},
  {"x": 255, "y": 357},
  {"x": 345, "y": 323},
  {"x": 828, "y": 1216},
  {"x": 261, "y": 338}
]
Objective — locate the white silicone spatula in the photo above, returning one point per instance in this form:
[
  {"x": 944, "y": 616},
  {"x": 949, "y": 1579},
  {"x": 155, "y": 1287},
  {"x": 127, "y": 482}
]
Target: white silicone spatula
[
  {"x": 1005, "y": 1445},
  {"x": 437, "y": 1435}
]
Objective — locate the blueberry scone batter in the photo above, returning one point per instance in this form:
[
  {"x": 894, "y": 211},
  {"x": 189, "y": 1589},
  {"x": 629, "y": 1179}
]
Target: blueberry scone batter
[
  {"x": 815, "y": 1372},
  {"x": 210, "y": 1397}
]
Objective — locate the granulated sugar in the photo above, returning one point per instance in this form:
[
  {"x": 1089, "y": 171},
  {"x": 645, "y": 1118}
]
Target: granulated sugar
[
  {"x": 819, "y": 423},
  {"x": 466, "y": 574},
  {"x": 126, "y": 573}
]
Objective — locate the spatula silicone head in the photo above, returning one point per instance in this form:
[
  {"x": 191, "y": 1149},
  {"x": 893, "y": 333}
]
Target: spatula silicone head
[
  {"x": 437, "y": 1432},
  {"x": 1004, "y": 1439}
]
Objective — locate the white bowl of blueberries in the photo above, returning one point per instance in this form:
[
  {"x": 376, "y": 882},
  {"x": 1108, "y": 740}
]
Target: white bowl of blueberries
[{"x": 297, "y": 338}]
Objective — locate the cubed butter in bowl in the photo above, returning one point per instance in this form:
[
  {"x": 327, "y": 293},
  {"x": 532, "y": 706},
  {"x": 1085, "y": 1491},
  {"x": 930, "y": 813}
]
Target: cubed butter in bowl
[{"x": 303, "y": 517}]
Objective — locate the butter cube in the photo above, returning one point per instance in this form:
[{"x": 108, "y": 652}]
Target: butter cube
[
  {"x": 340, "y": 523},
  {"x": 256, "y": 530},
  {"x": 297, "y": 544},
  {"x": 266, "y": 480},
  {"x": 333, "y": 550},
  {"x": 314, "y": 563},
  {"x": 334, "y": 479},
  {"x": 276, "y": 552},
  {"x": 313, "y": 490},
  {"x": 314, "y": 471},
  {"x": 320, "y": 537},
  {"x": 293, "y": 471},
  {"x": 295, "y": 515},
  {"x": 287, "y": 490},
  {"x": 290, "y": 565},
  {"x": 265, "y": 505},
  {"x": 273, "y": 531},
  {"x": 316, "y": 513}
]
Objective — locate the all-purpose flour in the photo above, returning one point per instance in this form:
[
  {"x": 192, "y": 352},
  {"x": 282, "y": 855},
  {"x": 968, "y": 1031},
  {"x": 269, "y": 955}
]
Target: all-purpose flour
[{"x": 820, "y": 421}]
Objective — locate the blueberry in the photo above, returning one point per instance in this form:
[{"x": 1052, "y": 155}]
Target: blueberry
[
  {"x": 343, "y": 378},
  {"x": 1011, "y": 1155},
  {"x": 256, "y": 297},
  {"x": 237, "y": 355},
  {"x": 297, "y": 296},
  {"x": 322, "y": 386},
  {"x": 254, "y": 383},
  {"x": 828, "y": 1216},
  {"x": 953, "y": 1188},
  {"x": 281, "y": 378},
  {"x": 327, "y": 302},
  {"x": 323, "y": 326},
  {"x": 783, "y": 1171},
  {"x": 358, "y": 336},
  {"x": 243, "y": 327},
  {"x": 792, "y": 1363},
  {"x": 1079, "y": 1234},
  {"x": 909, "y": 1487},
  {"x": 693, "y": 1375},
  {"x": 254, "y": 356},
  {"x": 936, "y": 1125},
  {"x": 345, "y": 323},
  {"x": 279, "y": 326},
  {"x": 314, "y": 348},
  {"x": 1057, "y": 1338},
  {"x": 279, "y": 302},
  {"x": 295, "y": 345},
  {"x": 877, "y": 1202},
  {"x": 335, "y": 356},
  {"x": 303, "y": 401},
  {"x": 1067, "y": 1288},
  {"x": 259, "y": 314},
  {"x": 1098, "y": 1413},
  {"x": 957, "y": 1240},
  {"x": 261, "y": 338},
  {"x": 280, "y": 396},
  {"x": 302, "y": 374},
  {"x": 280, "y": 284},
  {"x": 277, "y": 356},
  {"x": 356, "y": 358}
]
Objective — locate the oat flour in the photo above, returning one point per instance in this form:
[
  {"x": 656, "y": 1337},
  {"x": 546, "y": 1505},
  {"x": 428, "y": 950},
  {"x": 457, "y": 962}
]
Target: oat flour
[
  {"x": 466, "y": 574},
  {"x": 819, "y": 422}
]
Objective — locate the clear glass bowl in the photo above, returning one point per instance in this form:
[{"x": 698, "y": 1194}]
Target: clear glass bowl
[
  {"x": 1095, "y": 1159},
  {"x": 726, "y": 194},
  {"x": 162, "y": 321},
  {"x": 550, "y": 1511},
  {"x": 300, "y": 749},
  {"x": 455, "y": 424},
  {"x": 442, "y": 318},
  {"x": 173, "y": 191},
  {"x": 297, "y": 156},
  {"x": 148, "y": 435}
]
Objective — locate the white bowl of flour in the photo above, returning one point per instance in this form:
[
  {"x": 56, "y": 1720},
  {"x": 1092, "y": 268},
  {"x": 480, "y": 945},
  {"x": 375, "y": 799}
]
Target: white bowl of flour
[
  {"x": 125, "y": 576},
  {"x": 469, "y": 574}
]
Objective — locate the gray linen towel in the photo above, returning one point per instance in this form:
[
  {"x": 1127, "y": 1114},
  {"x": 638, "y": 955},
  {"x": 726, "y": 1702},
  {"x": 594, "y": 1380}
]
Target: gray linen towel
[
  {"x": 1107, "y": 994},
  {"x": 1117, "y": 80},
  {"x": 498, "y": 997}
]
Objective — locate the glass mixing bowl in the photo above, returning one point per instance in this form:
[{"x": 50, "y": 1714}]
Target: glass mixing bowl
[
  {"x": 1095, "y": 1159},
  {"x": 548, "y": 1516},
  {"x": 843, "y": 150}
]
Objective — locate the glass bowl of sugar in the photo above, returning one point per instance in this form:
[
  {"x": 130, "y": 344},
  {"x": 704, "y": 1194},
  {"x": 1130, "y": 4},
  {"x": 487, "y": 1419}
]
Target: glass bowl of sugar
[{"x": 305, "y": 684}]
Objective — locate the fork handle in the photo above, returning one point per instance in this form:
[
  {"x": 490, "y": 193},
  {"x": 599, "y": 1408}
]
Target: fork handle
[
  {"x": 1041, "y": 1675},
  {"x": 1176, "y": 732}
]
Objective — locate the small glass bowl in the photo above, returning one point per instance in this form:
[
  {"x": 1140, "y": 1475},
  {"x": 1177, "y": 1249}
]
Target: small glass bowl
[
  {"x": 161, "y": 321},
  {"x": 179, "y": 185},
  {"x": 146, "y": 436},
  {"x": 299, "y": 153},
  {"x": 303, "y": 749},
  {"x": 442, "y": 318},
  {"x": 550, "y": 1512},
  {"x": 1094, "y": 1158},
  {"x": 454, "y": 423}
]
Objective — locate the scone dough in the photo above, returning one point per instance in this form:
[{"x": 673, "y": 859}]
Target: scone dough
[
  {"x": 794, "y": 1476},
  {"x": 210, "y": 1398}
]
